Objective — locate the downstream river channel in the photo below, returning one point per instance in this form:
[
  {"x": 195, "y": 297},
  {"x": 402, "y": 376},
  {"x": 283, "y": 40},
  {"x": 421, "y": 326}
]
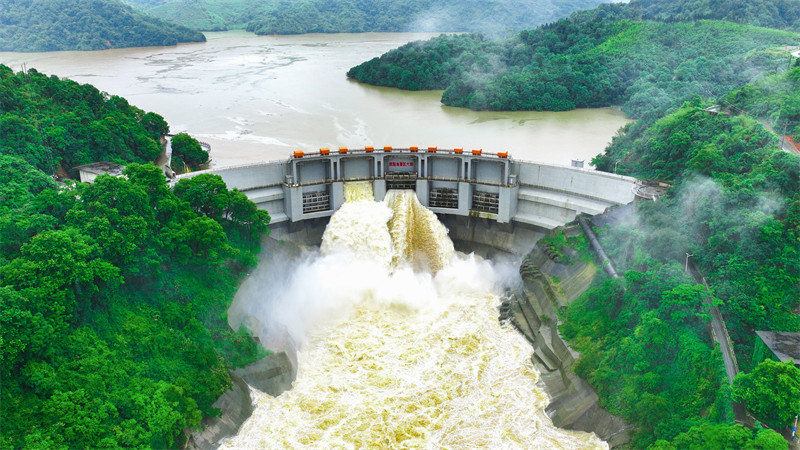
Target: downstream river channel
[{"x": 257, "y": 98}]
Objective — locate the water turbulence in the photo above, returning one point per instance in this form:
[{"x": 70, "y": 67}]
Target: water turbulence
[{"x": 416, "y": 357}]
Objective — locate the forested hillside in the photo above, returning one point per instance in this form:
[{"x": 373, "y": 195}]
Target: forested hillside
[
  {"x": 762, "y": 13},
  {"x": 774, "y": 99},
  {"x": 54, "y": 123},
  {"x": 113, "y": 295},
  {"x": 48, "y": 25},
  {"x": 735, "y": 208},
  {"x": 211, "y": 15},
  {"x": 355, "y": 16},
  {"x": 600, "y": 57}
]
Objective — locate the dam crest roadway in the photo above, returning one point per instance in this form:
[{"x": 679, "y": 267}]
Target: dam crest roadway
[{"x": 453, "y": 183}]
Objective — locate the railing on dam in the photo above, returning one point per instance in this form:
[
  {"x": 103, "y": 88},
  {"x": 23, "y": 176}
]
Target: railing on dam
[{"x": 455, "y": 181}]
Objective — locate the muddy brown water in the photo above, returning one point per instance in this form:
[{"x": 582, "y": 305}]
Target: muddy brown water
[{"x": 257, "y": 98}]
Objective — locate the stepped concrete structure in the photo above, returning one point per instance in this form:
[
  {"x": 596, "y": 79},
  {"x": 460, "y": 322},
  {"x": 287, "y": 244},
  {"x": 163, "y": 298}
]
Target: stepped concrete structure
[{"x": 451, "y": 182}]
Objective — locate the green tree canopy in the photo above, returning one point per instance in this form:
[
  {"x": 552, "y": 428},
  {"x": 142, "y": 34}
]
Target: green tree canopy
[
  {"x": 48, "y": 25},
  {"x": 608, "y": 56},
  {"x": 113, "y": 328},
  {"x": 50, "y": 122},
  {"x": 771, "y": 391},
  {"x": 187, "y": 149}
]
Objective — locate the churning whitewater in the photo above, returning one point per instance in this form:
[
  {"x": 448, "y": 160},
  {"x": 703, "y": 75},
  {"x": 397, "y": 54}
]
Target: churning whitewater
[{"x": 419, "y": 359}]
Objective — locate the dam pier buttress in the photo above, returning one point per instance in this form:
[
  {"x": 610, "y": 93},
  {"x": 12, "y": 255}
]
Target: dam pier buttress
[{"x": 451, "y": 182}]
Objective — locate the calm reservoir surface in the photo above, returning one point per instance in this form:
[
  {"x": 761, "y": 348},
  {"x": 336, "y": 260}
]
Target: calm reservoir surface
[{"x": 256, "y": 98}]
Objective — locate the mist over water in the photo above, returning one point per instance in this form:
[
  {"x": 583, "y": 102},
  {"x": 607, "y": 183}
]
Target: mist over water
[{"x": 399, "y": 344}]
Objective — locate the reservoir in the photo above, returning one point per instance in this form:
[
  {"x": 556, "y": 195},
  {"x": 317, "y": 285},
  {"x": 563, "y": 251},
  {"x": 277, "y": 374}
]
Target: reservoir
[{"x": 257, "y": 98}]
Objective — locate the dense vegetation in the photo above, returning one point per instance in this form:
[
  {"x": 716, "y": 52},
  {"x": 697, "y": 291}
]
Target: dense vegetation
[
  {"x": 54, "y": 123},
  {"x": 762, "y": 13},
  {"x": 48, "y": 25},
  {"x": 113, "y": 296},
  {"x": 735, "y": 207},
  {"x": 724, "y": 436},
  {"x": 774, "y": 99},
  {"x": 355, "y": 16},
  {"x": 186, "y": 150},
  {"x": 771, "y": 391},
  {"x": 600, "y": 57}
]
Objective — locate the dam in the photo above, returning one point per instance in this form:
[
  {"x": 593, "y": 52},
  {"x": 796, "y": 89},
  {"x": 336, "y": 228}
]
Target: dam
[
  {"x": 393, "y": 349},
  {"x": 455, "y": 183}
]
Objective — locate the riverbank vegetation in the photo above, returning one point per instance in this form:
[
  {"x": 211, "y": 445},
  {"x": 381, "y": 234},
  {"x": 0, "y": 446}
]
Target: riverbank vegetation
[
  {"x": 348, "y": 16},
  {"x": 50, "y": 25},
  {"x": 113, "y": 295},
  {"x": 58, "y": 124},
  {"x": 187, "y": 151},
  {"x": 608, "y": 56},
  {"x": 735, "y": 208}
]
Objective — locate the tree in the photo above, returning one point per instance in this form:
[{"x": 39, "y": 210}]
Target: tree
[
  {"x": 189, "y": 150},
  {"x": 112, "y": 294},
  {"x": 200, "y": 239},
  {"x": 771, "y": 391},
  {"x": 155, "y": 125},
  {"x": 723, "y": 436},
  {"x": 48, "y": 25},
  {"x": 58, "y": 271},
  {"x": 206, "y": 193},
  {"x": 19, "y": 182},
  {"x": 19, "y": 137},
  {"x": 244, "y": 213},
  {"x": 49, "y": 122}
]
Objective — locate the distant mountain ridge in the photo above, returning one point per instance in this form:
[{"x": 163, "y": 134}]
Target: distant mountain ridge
[
  {"x": 50, "y": 25},
  {"x": 354, "y": 16},
  {"x": 613, "y": 55}
]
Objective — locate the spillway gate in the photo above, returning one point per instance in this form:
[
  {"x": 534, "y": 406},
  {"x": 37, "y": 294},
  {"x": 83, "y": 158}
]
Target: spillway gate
[{"x": 309, "y": 185}]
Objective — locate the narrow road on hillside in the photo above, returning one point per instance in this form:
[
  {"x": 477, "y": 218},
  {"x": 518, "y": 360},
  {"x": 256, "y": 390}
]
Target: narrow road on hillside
[
  {"x": 719, "y": 333},
  {"x": 718, "y": 329},
  {"x": 165, "y": 157},
  {"x": 785, "y": 144}
]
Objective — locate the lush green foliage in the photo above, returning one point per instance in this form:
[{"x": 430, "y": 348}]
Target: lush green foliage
[
  {"x": 724, "y": 436},
  {"x": 646, "y": 351},
  {"x": 735, "y": 207},
  {"x": 771, "y": 391},
  {"x": 48, "y": 121},
  {"x": 186, "y": 149},
  {"x": 691, "y": 141},
  {"x": 354, "y": 16},
  {"x": 774, "y": 99},
  {"x": 557, "y": 245},
  {"x": 594, "y": 58},
  {"x": 113, "y": 296},
  {"x": 112, "y": 305},
  {"x": 207, "y": 15},
  {"x": 742, "y": 222},
  {"x": 762, "y": 13},
  {"x": 420, "y": 65},
  {"x": 47, "y": 25}
]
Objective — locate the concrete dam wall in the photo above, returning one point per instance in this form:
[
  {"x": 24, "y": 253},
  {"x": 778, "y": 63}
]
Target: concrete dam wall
[
  {"x": 485, "y": 201},
  {"x": 449, "y": 182}
]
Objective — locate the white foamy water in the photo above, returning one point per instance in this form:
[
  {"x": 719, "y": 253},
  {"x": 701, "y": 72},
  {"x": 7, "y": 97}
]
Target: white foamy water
[{"x": 406, "y": 350}]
